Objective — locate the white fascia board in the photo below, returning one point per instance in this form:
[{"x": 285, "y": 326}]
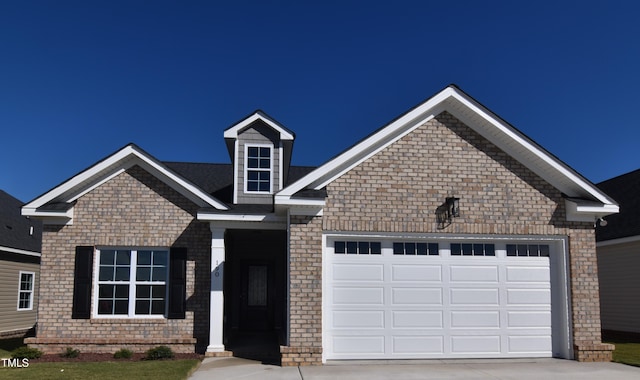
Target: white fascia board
[
  {"x": 297, "y": 206},
  {"x": 28, "y": 211},
  {"x": 508, "y": 131},
  {"x": 281, "y": 200},
  {"x": 245, "y": 225},
  {"x": 79, "y": 178},
  {"x": 99, "y": 183},
  {"x": 585, "y": 211},
  {"x": 624, "y": 240},
  {"x": 118, "y": 162},
  {"x": 232, "y": 133},
  {"x": 209, "y": 216},
  {"x": 20, "y": 251},
  {"x": 60, "y": 218}
]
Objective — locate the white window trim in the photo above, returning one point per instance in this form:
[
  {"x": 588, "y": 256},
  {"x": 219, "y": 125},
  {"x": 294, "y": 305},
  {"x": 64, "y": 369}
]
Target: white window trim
[
  {"x": 246, "y": 167},
  {"x": 134, "y": 260},
  {"x": 31, "y": 292}
]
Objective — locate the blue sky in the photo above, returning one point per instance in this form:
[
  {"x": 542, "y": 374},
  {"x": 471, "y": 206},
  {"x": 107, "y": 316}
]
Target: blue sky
[{"x": 81, "y": 79}]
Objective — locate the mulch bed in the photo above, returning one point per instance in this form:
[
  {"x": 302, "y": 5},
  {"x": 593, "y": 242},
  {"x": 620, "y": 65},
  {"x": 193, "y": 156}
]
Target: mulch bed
[{"x": 89, "y": 357}]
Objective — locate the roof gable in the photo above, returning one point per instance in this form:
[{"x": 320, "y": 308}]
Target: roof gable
[
  {"x": 58, "y": 202},
  {"x": 283, "y": 133},
  {"x": 485, "y": 123}
]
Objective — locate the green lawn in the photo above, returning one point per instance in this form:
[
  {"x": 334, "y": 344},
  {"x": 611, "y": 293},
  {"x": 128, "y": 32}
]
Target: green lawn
[
  {"x": 152, "y": 370},
  {"x": 627, "y": 353}
]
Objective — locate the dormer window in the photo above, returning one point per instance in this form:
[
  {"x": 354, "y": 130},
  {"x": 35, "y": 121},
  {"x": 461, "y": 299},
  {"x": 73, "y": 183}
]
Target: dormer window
[{"x": 258, "y": 169}]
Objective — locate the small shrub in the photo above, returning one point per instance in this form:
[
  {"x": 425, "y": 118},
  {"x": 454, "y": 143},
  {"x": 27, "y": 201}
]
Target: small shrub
[
  {"x": 70, "y": 353},
  {"x": 160, "y": 352},
  {"x": 123, "y": 353},
  {"x": 26, "y": 353}
]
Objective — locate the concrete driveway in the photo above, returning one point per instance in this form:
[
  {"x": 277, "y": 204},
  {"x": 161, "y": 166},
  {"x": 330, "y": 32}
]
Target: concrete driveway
[{"x": 517, "y": 369}]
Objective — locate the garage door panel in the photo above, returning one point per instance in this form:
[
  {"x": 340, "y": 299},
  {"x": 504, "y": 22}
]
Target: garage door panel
[
  {"x": 471, "y": 296},
  {"x": 416, "y": 296},
  {"x": 358, "y": 296},
  {"x": 358, "y": 345},
  {"x": 529, "y": 344},
  {"x": 528, "y": 274},
  {"x": 418, "y": 345},
  {"x": 475, "y": 319},
  {"x": 421, "y": 273},
  {"x": 474, "y": 273},
  {"x": 358, "y": 319},
  {"x": 475, "y": 344},
  {"x": 358, "y": 272},
  {"x": 528, "y": 296},
  {"x": 529, "y": 319},
  {"x": 417, "y": 319}
]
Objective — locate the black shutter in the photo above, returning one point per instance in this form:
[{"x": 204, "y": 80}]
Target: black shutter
[
  {"x": 82, "y": 283},
  {"x": 177, "y": 283}
]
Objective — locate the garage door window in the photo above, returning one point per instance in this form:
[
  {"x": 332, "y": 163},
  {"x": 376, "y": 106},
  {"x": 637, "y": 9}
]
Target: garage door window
[
  {"x": 468, "y": 249},
  {"x": 528, "y": 250},
  {"x": 358, "y": 247},
  {"x": 412, "y": 248}
]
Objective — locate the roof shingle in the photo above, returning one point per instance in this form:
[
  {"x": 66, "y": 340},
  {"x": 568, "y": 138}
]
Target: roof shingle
[{"x": 625, "y": 189}]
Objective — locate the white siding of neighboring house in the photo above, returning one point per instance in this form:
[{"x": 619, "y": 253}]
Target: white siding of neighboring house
[{"x": 619, "y": 276}]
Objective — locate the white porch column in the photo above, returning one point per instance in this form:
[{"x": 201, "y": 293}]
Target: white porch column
[{"x": 216, "y": 312}]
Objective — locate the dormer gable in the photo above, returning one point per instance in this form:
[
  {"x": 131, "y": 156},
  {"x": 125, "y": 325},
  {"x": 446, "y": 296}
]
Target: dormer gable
[{"x": 260, "y": 150}]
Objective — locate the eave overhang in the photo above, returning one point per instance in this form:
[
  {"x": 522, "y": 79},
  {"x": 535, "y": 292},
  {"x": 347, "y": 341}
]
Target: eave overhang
[
  {"x": 20, "y": 251},
  {"x": 263, "y": 221},
  {"x": 299, "y": 206},
  {"x": 581, "y": 210}
]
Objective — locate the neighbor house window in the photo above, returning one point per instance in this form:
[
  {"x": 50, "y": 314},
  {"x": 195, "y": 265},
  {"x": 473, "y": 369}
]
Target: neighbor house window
[
  {"x": 25, "y": 290},
  {"x": 258, "y": 169},
  {"x": 132, "y": 282}
]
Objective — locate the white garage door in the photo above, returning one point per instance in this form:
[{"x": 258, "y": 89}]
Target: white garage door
[{"x": 400, "y": 299}]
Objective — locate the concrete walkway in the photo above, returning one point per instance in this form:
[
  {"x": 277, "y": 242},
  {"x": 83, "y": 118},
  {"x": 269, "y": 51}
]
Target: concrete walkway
[{"x": 516, "y": 369}]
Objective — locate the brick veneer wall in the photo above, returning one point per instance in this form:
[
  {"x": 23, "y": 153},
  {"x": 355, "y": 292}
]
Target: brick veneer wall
[
  {"x": 399, "y": 189},
  {"x": 305, "y": 293},
  {"x": 133, "y": 209}
]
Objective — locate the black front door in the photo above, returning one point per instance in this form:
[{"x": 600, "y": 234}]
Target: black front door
[{"x": 256, "y": 298}]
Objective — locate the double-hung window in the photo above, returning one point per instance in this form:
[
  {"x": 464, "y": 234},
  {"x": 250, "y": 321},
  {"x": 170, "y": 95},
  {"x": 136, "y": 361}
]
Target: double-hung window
[
  {"x": 25, "y": 290},
  {"x": 258, "y": 169},
  {"x": 132, "y": 282}
]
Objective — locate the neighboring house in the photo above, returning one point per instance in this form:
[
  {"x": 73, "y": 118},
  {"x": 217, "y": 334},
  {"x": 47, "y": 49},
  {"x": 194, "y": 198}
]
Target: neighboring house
[
  {"x": 20, "y": 242},
  {"x": 618, "y": 247},
  {"x": 445, "y": 234}
]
